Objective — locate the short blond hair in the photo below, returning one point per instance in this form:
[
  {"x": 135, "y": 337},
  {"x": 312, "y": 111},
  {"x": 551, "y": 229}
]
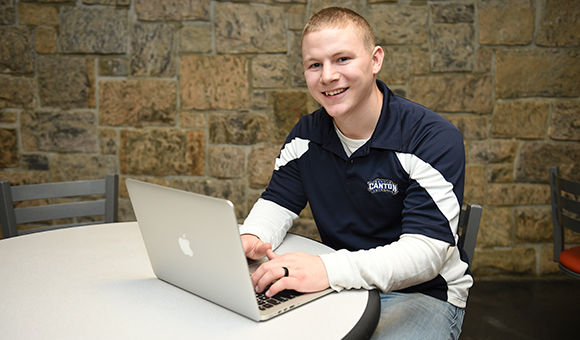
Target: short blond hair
[{"x": 338, "y": 17}]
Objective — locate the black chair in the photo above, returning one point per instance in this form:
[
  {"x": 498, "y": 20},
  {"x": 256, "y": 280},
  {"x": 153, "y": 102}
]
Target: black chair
[
  {"x": 468, "y": 228},
  {"x": 565, "y": 215},
  {"x": 11, "y": 217}
]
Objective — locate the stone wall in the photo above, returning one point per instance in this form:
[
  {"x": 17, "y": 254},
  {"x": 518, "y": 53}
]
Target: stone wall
[{"x": 199, "y": 95}]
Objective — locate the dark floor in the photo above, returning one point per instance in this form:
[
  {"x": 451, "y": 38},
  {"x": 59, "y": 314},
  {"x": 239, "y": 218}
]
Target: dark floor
[{"x": 523, "y": 309}]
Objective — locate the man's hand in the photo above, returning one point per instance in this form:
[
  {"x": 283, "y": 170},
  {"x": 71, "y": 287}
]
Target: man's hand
[
  {"x": 254, "y": 248},
  {"x": 306, "y": 273}
]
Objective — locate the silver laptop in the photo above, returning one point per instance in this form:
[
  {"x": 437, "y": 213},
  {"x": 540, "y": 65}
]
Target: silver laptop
[{"x": 193, "y": 243}]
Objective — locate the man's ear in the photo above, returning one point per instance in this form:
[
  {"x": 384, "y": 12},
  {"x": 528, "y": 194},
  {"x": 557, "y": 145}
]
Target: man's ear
[{"x": 378, "y": 57}]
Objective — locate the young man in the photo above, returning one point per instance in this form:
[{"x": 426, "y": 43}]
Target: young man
[{"x": 384, "y": 179}]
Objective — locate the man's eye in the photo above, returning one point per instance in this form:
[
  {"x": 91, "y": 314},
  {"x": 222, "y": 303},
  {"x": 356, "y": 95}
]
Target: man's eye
[
  {"x": 315, "y": 65},
  {"x": 343, "y": 59}
]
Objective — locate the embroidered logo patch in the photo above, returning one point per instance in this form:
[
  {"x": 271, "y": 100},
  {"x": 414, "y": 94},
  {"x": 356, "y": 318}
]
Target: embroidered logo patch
[{"x": 382, "y": 185}]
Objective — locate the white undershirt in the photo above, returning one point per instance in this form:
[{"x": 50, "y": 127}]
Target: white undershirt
[{"x": 350, "y": 145}]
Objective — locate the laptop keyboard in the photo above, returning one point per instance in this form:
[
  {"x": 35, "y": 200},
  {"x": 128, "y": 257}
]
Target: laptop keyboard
[{"x": 265, "y": 302}]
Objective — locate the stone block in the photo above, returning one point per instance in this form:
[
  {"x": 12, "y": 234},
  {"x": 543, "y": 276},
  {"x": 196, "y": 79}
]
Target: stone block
[
  {"x": 520, "y": 119},
  {"x": 192, "y": 120},
  {"x": 197, "y": 143},
  {"x": 420, "y": 60},
  {"x": 108, "y": 141},
  {"x": 500, "y": 173},
  {"x": 113, "y": 66},
  {"x": 297, "y": 17},
  {"x": 214, "y": 82},
  {"x": 295, "y": 61},
  {"x": 453, "y": 93},
  {"x": 534, "y": 225},
  {"x": 172, "y": 10},
  {"x": 495, "y": 262},
  {"x": 101, "y": 30},
  {"x": 230, "y": 189},
  {"x": 399, "y": 24},
  {"x": 239, "y": 129},
  {"x": 260, "y": 100},
  {"x": 495, "y": 229},
  {"x": 474, "y": 184},
  {"x": 453, "y": 12},
  {"x": 152, "y": 50},
  {"x": 124, "y": 193},
  {"x": 35, "y": 162},
  {"x": 513, "y": 194},
  {"x": 565, "y": 121},
  {"x": 245, "y": 28},
  {"x": 547, "y": 264},
  {"x": 108, "y": 2},
  {"x": 7, "y": 116},
  {"x": 59, "y": 131},
  {"x": 506, "y": 22},
  {"x": 9, "y": 155},
  {"x": 556, "y": 73},
  {"x": 7, "y": 12},
  {"x": 63, "y": 82},
  {"x": 45, "y": 39},
  {"x": 451, "y": 47},
  {"x": 270, "y": 71},
  {"x": 559, "y": 24},
  {"x": 156, "y": 152},
  {"x": 195, "y": 38},
  {"x": 289, "y": 107},
  {"x": 138, "y": 103},
  {"x": 395, "y": 66},
  {"x": 483, "y": 60},
  {"x": 17, "y": 92},
  {"x": 536, "y": 157},
  {"x": 226, "y": 161},
  {"x": 261, "y": 165},
  {"x": 76, "y": 167},
  {"x": 16, "y": 50},
  {"x": 492, "y": 151},
  {"x": 471, "y": 127},
  {"x": 31, "y": 14}
]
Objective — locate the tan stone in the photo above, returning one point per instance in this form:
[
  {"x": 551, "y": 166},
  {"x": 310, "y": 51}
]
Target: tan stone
[
  {"x": 398, "y": 24},
  {"x": 59, "y": 131},
  {"x": 556, "y": 73},
  {"x": 296, "y": 17},
  {"x": 35, "y": 162},
  {"x": 264, "y": 33},
  {"x": 500, "y": 173},
  {"x": 289, "y": 107},
  {"x": 536, "y": 157},
  {"x": 137, "y": 103},
  {"x": 197, "y": 144},
  {"x": 9, "y": 154},
  {"x": 108, "y": 2},
  {"x": 270, "y": 71},
  {"x": 63, "y": 81},
  {"x": 74, "y": 167},
  {"x": 474, "y": 191},
  {"x": 420, "y": 61},
  {"x": 226, "y": 161},
  {"x": 483, "y": 60},
  {"x": 7, "y": 116},
  {"x": 152, "y": 50},
  {"x": 451, "y": 47},
  {"x": 241, "y": 129},
  {"x": 156, "y": 152},
  {"x": 108, "y": 140},
  {"x": 517, "y": 194},
  {"x": 173, "y": 10},
  {"x": 520, "y": 119},
  {"x": 395, "y": 66},
  {"x": 534, "y": 224},
  {"x": 17, "y": 92},
  {"x": 559, "y": 24},
  {"x": 25, "y": 177},
  {"x": 493, "y": 262},
  {"x": 461, "y": 93},
  {"x": 192, "y": 120},
  {"x": 471, "y": 127},
  {"x": 230, "y": 189},
  {"x": 506, "y": 22},
  {"x": 566, "y": 121},
  {"x": 195, "y": 38},
  {"x": 213, "y": 82},
  {"x": 8, "y": 13},
  {"x": 16, "y": 54},
  {"x": 113, "y": 66},
  {"x": 45, "y": 39},
  {"x": 495, "y": 229},
  {"x": 547, "y": 264},
  {"x": 261, "y": 165},
  {"x": 492, "y": 151},
  {"x": 453, "y": 12},
  {"x": 37, "y": 14}
]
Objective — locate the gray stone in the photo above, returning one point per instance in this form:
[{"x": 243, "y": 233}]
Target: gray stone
[
  {"x": 452, "y": 47},
  {"x": 172, "y": 10},
  {"x": 400, "y": 24},
  {"x": 152, "y": 50},
  {"x": 16, "y": 50},
  {"x": 453, "y": 12},
  {"x": 63, "y": 82},
  {"x": 239, "y": 129}
]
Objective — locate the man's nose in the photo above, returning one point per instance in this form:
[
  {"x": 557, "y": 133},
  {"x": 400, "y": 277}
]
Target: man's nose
[{"x": 329, "y": 74}]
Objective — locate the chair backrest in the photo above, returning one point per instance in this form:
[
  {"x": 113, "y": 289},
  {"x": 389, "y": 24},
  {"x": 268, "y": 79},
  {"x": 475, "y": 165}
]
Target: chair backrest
[
  {"x": 565, "y": 197},
  {"x": 11, "y": 217},
  {"x": 469, "y": 226}
]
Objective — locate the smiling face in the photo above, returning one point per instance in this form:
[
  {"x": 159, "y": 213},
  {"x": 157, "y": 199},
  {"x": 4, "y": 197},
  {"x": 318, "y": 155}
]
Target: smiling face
[{"x": 340, "y": 72}]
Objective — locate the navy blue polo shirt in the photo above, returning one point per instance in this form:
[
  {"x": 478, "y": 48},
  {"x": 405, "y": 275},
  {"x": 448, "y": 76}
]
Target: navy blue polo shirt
[{"x": 408, "y": 178}]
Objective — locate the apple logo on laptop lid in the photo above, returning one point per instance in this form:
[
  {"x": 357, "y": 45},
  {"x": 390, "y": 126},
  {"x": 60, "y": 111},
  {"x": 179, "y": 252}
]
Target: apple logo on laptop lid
[{"x": 185, "y": 246}]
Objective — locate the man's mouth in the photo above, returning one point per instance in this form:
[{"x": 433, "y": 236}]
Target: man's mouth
[{"x": 335, "y": 92}]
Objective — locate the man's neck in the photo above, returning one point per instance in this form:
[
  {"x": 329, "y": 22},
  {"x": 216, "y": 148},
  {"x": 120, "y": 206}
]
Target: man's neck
[{"x": 362, "y": 124}]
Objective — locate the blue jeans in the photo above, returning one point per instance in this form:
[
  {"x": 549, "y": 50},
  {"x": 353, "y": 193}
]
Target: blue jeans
[{"x": 417, "y": 316}]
